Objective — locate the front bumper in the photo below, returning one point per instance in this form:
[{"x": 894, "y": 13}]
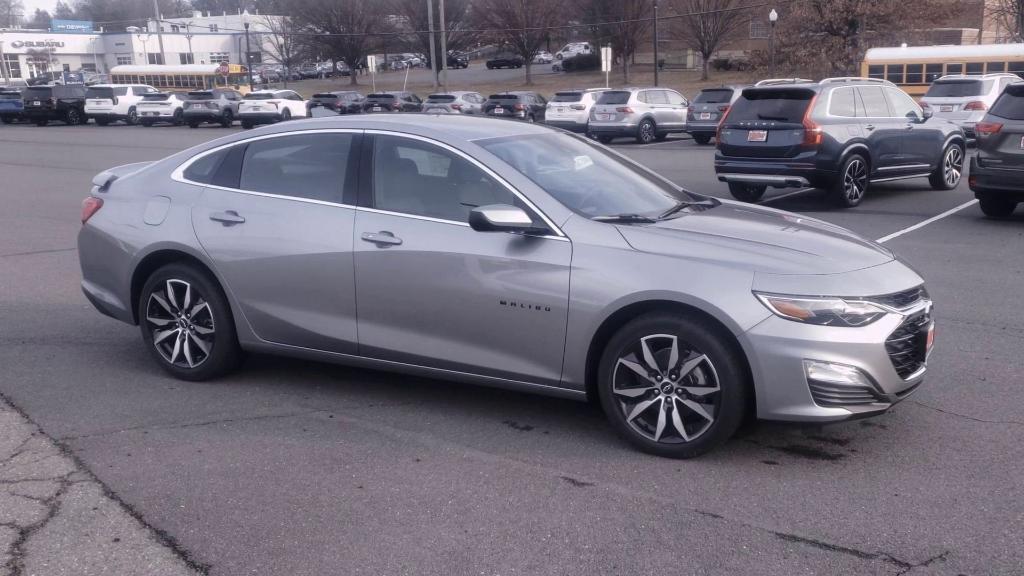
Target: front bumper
[
  {"x": 779, "y": 351},
  {"x": 999, "y": 182}
]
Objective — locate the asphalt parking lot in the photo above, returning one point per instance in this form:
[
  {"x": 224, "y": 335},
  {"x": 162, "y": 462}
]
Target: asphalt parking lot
[{"x": 299, "y": 468}]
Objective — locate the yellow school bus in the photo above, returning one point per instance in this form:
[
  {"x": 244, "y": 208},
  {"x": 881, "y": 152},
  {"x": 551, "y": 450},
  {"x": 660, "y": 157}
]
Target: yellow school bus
[
  {"x": 914, "y": 68},
  {"x": 183, "y": 77}
]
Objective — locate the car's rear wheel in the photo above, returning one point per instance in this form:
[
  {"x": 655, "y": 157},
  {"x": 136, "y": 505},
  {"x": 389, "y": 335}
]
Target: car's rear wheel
[
  {"x": 671, "y": 386},
  {"x": 186, "y": 323},
  {"x": 746, "y": 192},
  {"x": 102, "y": 121},
  {"x": 73, "y": 117},
  {"x": 852, "y": 184},
  {"x": 133, "y": 117},
  {"x": 995, "y": 207},
  {"x": 645, "y": 132},
  {"x": 286, "y": 115},
  {"x": 7, "y": 120},
  {"x": 701, "y": 139},
  {"x": 246, "y": 125},
  {"x": 947, "y": 174},
  {"x": 179, "y": 117},
  {"x": 227, "y": 119}
]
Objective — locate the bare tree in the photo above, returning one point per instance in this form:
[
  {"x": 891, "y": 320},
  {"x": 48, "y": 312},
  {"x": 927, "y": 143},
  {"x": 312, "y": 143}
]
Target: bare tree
[
  {"x": 523, "y": 25},
  {"x": 703, "y": 25},
  {"x": 11, "y": 12},
  {"x": 1009, "y": 14},
  {"x": 282, "y": 43},
  {"x": 344, "y": 29},
  {"x": 621, "y": 23},
  {"x": 457, "y": 16}
]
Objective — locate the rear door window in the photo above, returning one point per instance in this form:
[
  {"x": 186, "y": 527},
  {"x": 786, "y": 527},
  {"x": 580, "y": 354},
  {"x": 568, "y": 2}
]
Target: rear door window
[
  {"x": 873, "y": 100},
  {"x": 675, "y": 98},
  {"x": 766, "y": 105},
  {"x": 903, "y": 106},
  {"x": 843, "y": 103},
  {"x": 308, "y": 166}
]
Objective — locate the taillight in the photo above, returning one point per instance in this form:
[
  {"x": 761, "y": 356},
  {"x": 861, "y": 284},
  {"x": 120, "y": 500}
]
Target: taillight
[
  {"x": 456, "y": 106},
  {"x": 624, "y": 110},
  {"x": 975, "y": 105},
  {"x": 723, "y": 108},
  {"x": 519, "y": 107},
  {"x": 987, "y": 128},
  {"x": 718, "y": 131},
  {"x": 689, "y": 115},
  {"x": 90, "y": 206},
  {"x": 812, "y": 132},
  {"x": 925, "y": 105},
  {"x": 577, "y": 107}
]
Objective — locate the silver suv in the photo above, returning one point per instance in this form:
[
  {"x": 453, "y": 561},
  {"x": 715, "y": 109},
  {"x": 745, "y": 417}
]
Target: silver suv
[
  {"x": 454, "y": 103},
  {"x": 217, "y": 106},
  {"x": 647, "y": 114},
  {"x": 964, "y": 99}
]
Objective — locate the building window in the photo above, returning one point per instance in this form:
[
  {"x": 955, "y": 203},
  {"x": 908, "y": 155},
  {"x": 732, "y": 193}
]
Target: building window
[
  {"x": 156, "y": 58},
  {"x": 1017, "y": 68},
  {"x": 88, "y": 67},
  {"x": 758, "y": 28},
  {"x": 915, "y": 73},
  {"x": 256, "y": 57},
  {"x": 12, "y": 65},
  {"x": 187, "y": 58},
  {"x": 218, "y": 57},
  {"x": 123, "y": 59},
  {"x": 975, "y": 68},
  {"x": 894, "y": 73},
  {"x": 175, "y": 28},
  {"x": 213, "y": 28}
]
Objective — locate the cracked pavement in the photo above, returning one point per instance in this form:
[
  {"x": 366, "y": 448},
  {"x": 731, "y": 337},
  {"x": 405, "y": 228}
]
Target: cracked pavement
[
  {"x": 57, "y": 519},
  {"x": 297, "y": 468}
]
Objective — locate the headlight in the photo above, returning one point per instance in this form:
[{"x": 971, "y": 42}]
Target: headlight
[{"x": 822, "y": 311}]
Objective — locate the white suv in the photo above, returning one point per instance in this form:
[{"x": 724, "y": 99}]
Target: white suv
[
  {"x": 269, "y": 106},
  {"x": 106, "y": 103},
  {"x": 162, "y": 107},
  {"x": 570, "y": 110},
  {"x": 965, "y": 99}
]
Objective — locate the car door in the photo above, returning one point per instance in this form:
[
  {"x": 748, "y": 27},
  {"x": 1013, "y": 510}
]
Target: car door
[
  {"x": 922, "y": 143},
  {"x": 883, "y": 132},
  {"x": 276, "y": 220},
  {"x": 678, "y": 107},
  {"x": 433, "y": 292}
]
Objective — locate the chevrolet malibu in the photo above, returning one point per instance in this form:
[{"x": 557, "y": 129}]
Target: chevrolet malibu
[{"x": 503, "y": 254}]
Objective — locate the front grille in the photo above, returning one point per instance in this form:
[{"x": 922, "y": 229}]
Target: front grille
[
  {"x": 902, "y": 299},
  {"x": 826, "y": 394},
  {"x": 907, "y": 346}
]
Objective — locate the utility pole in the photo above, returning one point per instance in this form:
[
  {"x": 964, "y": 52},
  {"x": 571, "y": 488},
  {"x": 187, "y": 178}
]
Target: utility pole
[
  {"x": 248, "y": 52},
  {"x": 444, "y": 47},
  {"x": 188, "y": 36},
  {"x": 655, "y": 35},
  {"x": 433, "y": 47},
  {"x": 159, "y": 33}
]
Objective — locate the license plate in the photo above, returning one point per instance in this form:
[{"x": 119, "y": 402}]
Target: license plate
[
  {"x": 499, "y": 110},
  {"x": 559, "y": 109},
  {"x": 35, "y": 102},
  {"x": 376, "y": 108},
  {"x": 257, "y": 108},
  {"x": 603, "y": 116},
  {"x": 945, "y": 108},
  {"x": 705, "y": 115},
  {"x": 757, "y": 136}
]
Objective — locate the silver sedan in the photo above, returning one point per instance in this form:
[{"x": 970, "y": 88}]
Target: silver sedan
[{"x": 503, "y": 254}]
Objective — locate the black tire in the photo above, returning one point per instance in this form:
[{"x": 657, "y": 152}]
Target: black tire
[
  {"x": 102, "y": 121},
  {"x": 42, "y": 122},
  {"x": 179, "y": 117},
  {"x": 187, "y": 334},
  {"x": 852, "y": 183},
  {"x": 716, "y": 385},
  {"x": 247, "y": 125},
  {"x": 996, "y": 207},
  {"x": 73, "y": 117},
  {"x": 146, "y": 123},
  {"x": 192, "y": 124},
  {"x": 227, "y": 119},
  {"x": 950, "y": 169},
  {"x": 605, "y": 139},
  {"x": 133, "y": 117},
  {"x": 746, "y": 192},
  {"x": 646, "y": 131},
  {"x": 286, "y": 115},
  {"x": 7, "y": 120},
  {"x": 702, "y": 139}
]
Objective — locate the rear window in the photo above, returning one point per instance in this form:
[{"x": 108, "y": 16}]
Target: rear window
[
  {"x": 99, "y": 93},
  {"x": 200, "y": 95},
  {"x": 325, "y": 96},
  {"x": 567, "y": 97},
  {"x": 382, "y": 96},
  {"x": 778, "y": 105},
  {"x": 155, "y": 97},
  {"x": 504, "y": 97},
  {"x": 958, "y": 88},
  {"x": 38, "y": 92},
  {"x": 1011, "y": 104},
  {"x": 714, "y": 97},
  {"x": 441, "y": 98},
  {"x": 258, "y": 96},
  {"x": 614, "y": 97}
]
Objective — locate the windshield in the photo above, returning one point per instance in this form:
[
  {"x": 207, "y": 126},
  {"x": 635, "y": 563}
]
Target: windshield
[
  {"x": 958, "y": 88},
  {"x": 780, "y": 105},
  {"x": 714, "y": 97},
  {"x": 584, "y": 177}
]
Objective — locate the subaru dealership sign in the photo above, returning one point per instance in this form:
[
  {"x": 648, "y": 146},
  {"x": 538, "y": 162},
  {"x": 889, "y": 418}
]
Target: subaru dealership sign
[{"x": 70, "y": 25}]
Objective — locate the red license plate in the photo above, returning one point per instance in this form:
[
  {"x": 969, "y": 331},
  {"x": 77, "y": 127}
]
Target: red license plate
[{"x": 757, "y": 136}]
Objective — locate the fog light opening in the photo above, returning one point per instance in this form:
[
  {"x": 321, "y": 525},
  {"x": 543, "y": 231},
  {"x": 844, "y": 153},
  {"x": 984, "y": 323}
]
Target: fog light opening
[{"x": 834, "y": 373}]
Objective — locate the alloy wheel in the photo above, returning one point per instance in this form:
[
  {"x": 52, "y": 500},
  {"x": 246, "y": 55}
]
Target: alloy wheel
[
  {"x": 952, "y": 166},
  {"x": 646, "y": 131},
  {"x": 855, "y": 180},
  {"x": 669, "y": 392},
  {"x": 181, "y": 323}
]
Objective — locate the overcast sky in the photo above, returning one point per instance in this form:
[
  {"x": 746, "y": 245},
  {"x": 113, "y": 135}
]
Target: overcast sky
[{"x": 31, "y": 5}]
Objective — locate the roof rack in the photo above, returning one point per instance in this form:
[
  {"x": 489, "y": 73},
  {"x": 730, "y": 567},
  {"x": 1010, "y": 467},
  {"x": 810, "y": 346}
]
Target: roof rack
[
  {"x": 773, "y": 81},
  {"x": 848, "y": 79}
]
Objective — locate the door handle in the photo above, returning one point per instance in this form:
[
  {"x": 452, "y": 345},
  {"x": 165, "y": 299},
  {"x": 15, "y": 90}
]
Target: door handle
[
  {"x": 382, "y": 238},
  {"x": 869, "y": 127},
  {"x": 227, "y": 218}
]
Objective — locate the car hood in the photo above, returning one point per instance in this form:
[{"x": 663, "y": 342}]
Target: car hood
[{"x": 759, "y": 239}]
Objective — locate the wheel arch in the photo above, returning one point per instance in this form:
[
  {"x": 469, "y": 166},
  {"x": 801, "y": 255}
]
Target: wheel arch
[
  {"x": 856, "y": 147},
  {"x": 620, "y": 317},
  {"x": 159, "y": 258}
]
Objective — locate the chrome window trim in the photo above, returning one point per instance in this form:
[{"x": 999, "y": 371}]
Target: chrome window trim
[{"x": 481, "y": 166}]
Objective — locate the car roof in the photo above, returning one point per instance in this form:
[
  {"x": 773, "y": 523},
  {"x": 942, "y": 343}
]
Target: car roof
[
  {"x": 453, "y": 93},
  {"x": 444, "y": 127},
  {"x": 979, "y": 76}
]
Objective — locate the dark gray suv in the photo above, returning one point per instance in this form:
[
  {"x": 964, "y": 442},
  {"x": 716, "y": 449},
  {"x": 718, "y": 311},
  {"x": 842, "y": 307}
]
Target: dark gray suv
[
  {"x": 997, "y": 171},
  {"x": 840, "y": 134}
]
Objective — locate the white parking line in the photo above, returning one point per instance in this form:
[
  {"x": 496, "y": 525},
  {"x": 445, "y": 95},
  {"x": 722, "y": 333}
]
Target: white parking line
[
  {"x": 924, "y": 223},
  {"x": 786, "y": 195}
]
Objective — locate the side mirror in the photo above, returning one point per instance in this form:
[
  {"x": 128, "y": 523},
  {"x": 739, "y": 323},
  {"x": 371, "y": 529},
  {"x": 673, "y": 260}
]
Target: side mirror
[
  {"x": 502, "y": 218},
  {"x": 928, "y": 112}
]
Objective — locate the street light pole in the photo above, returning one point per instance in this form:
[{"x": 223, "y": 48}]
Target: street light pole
[
  {"x": 433, "y": 47},
  {"x": 3, "y": 62},
  {"x": 248, "y": 54},
  {"x": 188, "y": 36},
  {"x": 444, "y": 47},
  {"x": 159, "y": 32},
  {"x": 773, "y": 17},
  {"x": 655, "y": 42}
]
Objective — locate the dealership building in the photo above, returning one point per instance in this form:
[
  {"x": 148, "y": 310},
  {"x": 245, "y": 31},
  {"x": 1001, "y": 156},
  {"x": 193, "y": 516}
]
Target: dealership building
[{"x": 75, "y": 45}]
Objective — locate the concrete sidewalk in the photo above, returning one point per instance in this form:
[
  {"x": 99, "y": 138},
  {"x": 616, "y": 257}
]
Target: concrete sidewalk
[{"x": 57, "y": 519}]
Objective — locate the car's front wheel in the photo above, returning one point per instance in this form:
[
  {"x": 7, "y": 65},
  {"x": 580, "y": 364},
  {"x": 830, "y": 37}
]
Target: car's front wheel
[
  {"x": 645, "y": 132},
  {"x": 186, "y": 323},
  {"x": 701, "y": 139},
  {"x": 133, "y": 117},
  {"x": 227, "y": 119},
  {"x": 74, "y": 117},
  {"x": 947, "y": 174},
  {"x": 746, "y": 192},
  {"x": 852, "y": 184},
  {"x": 672, "y": 386}
]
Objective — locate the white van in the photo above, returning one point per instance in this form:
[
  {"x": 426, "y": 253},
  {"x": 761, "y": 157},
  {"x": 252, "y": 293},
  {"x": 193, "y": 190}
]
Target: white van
[
  {"x": 574, "y": 49},
  {"x": 106, "y": 103}
]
